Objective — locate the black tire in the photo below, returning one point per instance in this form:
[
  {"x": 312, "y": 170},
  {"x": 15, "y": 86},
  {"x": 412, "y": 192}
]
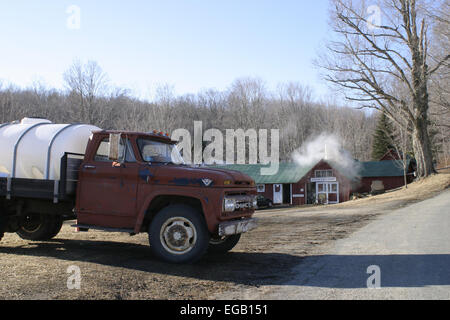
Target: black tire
[
  {"x": 58, "y": 223},
  {"x": 178, "y": 234},
  {"x": 220, "y": 246},
  {"x": 2, "y": 227},
  {"x": 37, "y": 227}
]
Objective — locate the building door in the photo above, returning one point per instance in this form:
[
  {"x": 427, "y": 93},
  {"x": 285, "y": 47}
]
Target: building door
[
  {"x": 327, "y": 192},
  {"x": 333, "y": 192},
  {"x": 277, "y": 194},
  {"x": 321, "y": 193},
  {"x": 311, "y": 195},
  {"x": 287, "y": 194}
]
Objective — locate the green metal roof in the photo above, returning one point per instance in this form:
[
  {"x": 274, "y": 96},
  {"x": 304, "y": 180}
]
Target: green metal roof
[
  {"x": 287, "y": 172},
  {"x": 385, "y": 168}
]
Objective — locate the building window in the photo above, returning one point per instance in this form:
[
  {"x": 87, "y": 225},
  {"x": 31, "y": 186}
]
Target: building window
[
  {"x": 324, "y": 173},
  {"x": 261, "y": 188}
]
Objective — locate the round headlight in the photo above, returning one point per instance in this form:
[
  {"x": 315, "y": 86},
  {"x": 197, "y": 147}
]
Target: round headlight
[{"x": 229, "y": 205}]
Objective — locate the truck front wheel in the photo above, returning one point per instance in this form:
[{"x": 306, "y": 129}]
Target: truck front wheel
[
  {"x": 178, "y": 234},
  {"x": 38, "y": 227},
  {"x": 219, "y": 245}
]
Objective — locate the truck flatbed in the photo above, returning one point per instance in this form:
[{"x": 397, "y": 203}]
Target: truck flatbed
[{"x": 56, "y": 190}]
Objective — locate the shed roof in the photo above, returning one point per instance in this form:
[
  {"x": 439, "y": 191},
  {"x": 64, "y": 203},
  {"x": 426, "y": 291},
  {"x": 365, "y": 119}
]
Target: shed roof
[
  {"x": 385, "y": 168},
  {"x": 289, "y": 172}
]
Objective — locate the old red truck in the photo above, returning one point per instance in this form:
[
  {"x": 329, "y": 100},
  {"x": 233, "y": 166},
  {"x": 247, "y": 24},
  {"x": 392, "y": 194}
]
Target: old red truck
[{"x": 134, "y": 182}]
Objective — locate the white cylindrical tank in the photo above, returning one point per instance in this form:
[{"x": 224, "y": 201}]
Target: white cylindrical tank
[{"x": 32, "y": 139}]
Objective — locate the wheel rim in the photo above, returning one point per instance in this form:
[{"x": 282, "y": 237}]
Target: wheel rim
[
  {"x": 31, "y": 223},
  {"x": 178, "y": 235}
]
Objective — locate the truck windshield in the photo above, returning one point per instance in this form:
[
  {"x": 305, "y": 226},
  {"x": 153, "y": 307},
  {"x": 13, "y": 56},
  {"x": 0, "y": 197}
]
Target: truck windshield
[{"x": 155, "y": 151}]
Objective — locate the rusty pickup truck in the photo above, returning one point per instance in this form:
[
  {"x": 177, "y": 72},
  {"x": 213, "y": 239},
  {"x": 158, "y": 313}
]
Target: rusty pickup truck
[{"x": 134, "y": 182}]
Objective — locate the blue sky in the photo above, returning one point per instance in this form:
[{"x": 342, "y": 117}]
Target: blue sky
[{"x": 190, "y": 44}]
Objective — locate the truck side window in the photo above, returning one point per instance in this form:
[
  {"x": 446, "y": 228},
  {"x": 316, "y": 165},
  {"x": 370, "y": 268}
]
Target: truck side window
[
  {"x": 103, "y": 151},
  {"x": 130, "y": 154}
]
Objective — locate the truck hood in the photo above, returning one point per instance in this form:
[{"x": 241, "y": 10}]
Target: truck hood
[{"x": 199, "y": 176}]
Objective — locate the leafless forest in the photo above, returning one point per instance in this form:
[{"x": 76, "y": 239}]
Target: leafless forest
[{"x": 246, "y": 104}]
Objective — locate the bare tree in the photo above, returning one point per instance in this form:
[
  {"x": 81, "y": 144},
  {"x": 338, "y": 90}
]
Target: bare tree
[
  {"x": 5, "y": 104},
  {"x": 86, "y": 83},
  {"x": 401, "y": 141},
  {"x": 440, "y": 85},
  {"x": 369, "y": 57},
  {"x": 247, "y": 97}
]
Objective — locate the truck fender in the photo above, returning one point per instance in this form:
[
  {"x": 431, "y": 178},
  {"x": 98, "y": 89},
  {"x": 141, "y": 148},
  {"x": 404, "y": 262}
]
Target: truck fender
[{"x": 211, "y": 220}]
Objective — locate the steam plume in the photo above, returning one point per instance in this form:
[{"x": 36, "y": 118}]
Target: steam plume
[{"x": 327, "y": 147}]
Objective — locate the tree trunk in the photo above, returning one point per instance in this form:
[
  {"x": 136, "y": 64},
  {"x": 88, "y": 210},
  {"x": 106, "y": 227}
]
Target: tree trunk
[
  {"x": 421, "y": 139},
  {"x": 404, "y": 175},
  {"x": 422, "y": 149}
]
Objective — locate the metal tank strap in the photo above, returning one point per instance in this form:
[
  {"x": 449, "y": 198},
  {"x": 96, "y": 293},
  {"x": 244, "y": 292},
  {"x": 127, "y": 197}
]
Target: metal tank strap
[
  {"x": 8, "y": 179},
  {"x": 4, "y": 124},
  {"x": 8, "y": 123},
  {"x": 50, "y": 145}
]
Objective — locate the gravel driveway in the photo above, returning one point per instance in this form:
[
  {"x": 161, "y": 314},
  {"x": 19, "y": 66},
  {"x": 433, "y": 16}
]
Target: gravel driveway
[{"x": 402, "y": 255}]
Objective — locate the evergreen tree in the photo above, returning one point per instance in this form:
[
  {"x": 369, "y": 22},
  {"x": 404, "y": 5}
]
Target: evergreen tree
[{"x": 383, "y": 138}]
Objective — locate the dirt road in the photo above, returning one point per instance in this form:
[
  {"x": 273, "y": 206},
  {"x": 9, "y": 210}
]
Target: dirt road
[
  {"x": 403, "y": 255},
  {"x": 117, "y": 266}
]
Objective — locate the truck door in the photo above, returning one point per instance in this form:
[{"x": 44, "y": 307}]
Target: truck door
[{"x": 108, "y": 190}]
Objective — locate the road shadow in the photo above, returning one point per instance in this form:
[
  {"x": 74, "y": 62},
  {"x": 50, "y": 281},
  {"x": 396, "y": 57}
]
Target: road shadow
[
  {"x": 354, "y": 271},
  {"x": 235, "y": 267},
  {"x": 255, "y": 268}
]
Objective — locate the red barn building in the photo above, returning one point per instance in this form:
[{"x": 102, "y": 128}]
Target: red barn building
[
  {"x": 389, "y": 172},
  {"x": 297, "y": 185},
  {"x": 322, "y": 182}
]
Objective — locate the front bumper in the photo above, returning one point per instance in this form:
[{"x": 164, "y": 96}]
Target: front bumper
[{"x": 237, "y": 226}]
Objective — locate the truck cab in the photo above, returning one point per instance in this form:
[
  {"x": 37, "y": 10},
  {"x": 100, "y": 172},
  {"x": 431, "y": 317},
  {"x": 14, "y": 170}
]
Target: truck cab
[{"x": 138, "y": 182}]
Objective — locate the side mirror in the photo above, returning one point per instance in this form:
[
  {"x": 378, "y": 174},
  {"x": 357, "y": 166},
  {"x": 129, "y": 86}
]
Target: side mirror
[{"x": 114, "y": 143}]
